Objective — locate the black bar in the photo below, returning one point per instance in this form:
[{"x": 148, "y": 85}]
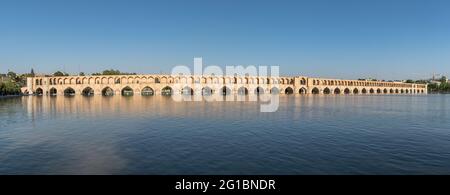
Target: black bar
[{"x": 225, "y": 184}]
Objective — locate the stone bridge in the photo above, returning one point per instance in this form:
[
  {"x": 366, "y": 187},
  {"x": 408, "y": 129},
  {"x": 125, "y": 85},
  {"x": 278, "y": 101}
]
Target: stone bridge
[{"x": 225, "y": 85}]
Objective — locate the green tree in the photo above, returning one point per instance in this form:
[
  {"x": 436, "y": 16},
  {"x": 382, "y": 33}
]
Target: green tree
[
  {"x": 111, "y": 72},
  {"x": 409, "y": 81},
  {"x": 9, "y": 88},
  {"x": 444, "y": 87},
  {"x": 12, "y": 75},
  {"x": 433, "y": 87},
  {"x": 60, "y": 74},
  {"x": 421, "y": 82},
  {"x": 81, "y": 74}
]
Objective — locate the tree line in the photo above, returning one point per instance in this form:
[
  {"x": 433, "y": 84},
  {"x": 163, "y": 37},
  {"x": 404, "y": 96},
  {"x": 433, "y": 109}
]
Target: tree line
[
  {"x": 11, "y": 84},
  {"x": 105, "y": 72},
  {"x": 443, "y": 87}
]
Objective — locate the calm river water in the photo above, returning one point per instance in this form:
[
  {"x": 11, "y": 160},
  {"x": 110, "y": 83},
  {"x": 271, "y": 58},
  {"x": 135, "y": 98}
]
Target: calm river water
[{"x": 155, "y": 135}]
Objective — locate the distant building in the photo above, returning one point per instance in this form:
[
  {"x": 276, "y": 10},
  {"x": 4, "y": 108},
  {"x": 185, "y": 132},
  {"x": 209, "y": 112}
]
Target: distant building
[{"x": 437, "y": 80}]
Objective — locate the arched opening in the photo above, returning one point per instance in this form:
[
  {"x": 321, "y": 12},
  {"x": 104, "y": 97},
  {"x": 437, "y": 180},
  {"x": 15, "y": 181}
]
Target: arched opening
[
  {"x": 396, "y": 90},
  {"x": 355, "y": 91},
  {"x": 207, "y": 91},
  {"x": 385, "y": 91},
  {"x": 391, "y": 91},
  {"x": 187, "y": 91},
  {"x": 259, "y": 90},
  {"x": 378, "y": 90},
  {"x": 402, "y": 91},
  {"x": 346, "y": 91},
  {"x": 315, "y": 91},
  {"x": 127, "y": 91},
  {"x": 39, "y": 91},
  {"x": 407, "y": 91},
  {"x": 226, "y": 91},
  {"x": 53, "y": 91},
  {"x": 147, "y": 91},
  {"x": 303, "y": 82},
  {"x": 107, "y": 91},
  {"x": 371, "y": 91},
  {"x": 69, "y": 92},
  {"x": 87, "y": 91},
  {"x": 242, "y": 91},
  {"x": 288, "y": 91},
  {"x": 337, "y": 91},
  {"x": 302, "y": 91},
  {"x": 326, "y": 91},
  {"x": 364, "y": 90},
  {"x": 166, "y": 91},
  {"x": 274, "y": 91}
]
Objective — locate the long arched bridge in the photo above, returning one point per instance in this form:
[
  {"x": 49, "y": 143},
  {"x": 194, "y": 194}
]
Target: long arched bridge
[{"x": 169, "y": 84}]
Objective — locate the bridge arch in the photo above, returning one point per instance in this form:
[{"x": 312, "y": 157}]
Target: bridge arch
[
  {"x": 87, "y": 91},
  {"x": 226, "y": 91},
  {"x": 378, "y": 90},
  {"x": 302, "y": 90},
  {"x": 53, "y": 91},
  {"x": 187, "y": 91},
  {"x": 39, "y": 91},
  {"x": 346, "y": 91},
  {"x": 206, "y": 91},
  {"x": 147, "y": 91},
  {"x": 69, "y": 91},
  {"x": 371, "y": 91},
  {"x": 127, "y": 91},
  {"x": 385, "y": 91},
  {"x": 326, "y": 91},
  {"x": 259, "y": 90},
  {"x": 166, "y": 91},
  {"x": 337, "y": 91},
  {"x": 274, "y": 91},
  {"x": 315, "y": 90},
  {"x": 364, "y": 91},
  {"x": 355, "y": 91},
  {"x": 242, "y": 91},
  {"x": 288, "y": 91},
  {"x": 107, "y": 91}
]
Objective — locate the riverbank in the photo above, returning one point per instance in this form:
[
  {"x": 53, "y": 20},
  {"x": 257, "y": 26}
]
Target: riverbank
[{"x": 10, "y": 96}]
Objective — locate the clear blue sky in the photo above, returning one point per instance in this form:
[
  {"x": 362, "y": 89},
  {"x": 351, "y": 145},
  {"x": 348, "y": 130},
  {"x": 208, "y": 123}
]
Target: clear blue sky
[{"x": 386, "y": 39}]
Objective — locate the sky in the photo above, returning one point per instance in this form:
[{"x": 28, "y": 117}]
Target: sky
[{"x": 348, "y": 39}]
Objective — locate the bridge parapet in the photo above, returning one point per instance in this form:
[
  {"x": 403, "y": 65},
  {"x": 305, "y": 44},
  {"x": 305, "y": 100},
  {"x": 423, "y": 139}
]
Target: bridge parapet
[{"x": 158, "y": 83}]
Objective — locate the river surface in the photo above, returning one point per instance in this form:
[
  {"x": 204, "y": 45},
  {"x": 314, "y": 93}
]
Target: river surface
[{"x": 379, "y": 134}]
